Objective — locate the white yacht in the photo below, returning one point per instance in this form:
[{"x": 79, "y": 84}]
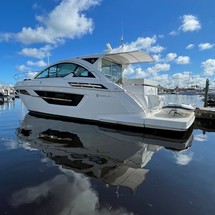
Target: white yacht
[{"x": 92, "y": 88}]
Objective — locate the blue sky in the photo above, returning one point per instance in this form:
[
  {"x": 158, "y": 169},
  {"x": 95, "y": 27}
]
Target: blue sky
[{"x": 179, "y": 34}]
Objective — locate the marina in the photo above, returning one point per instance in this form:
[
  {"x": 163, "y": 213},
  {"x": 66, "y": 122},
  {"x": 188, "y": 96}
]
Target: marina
[
  {"x": 105, "y": 113},
  {"x": 51, "y": 166},
  {"x": 7, "y": 93}
]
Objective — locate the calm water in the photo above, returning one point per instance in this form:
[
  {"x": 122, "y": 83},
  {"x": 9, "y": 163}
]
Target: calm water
[{"x": 55, "y": 167}]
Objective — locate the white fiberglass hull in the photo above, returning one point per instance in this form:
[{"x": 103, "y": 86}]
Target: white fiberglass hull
[
  {"x": 75, "y": 88},
  {"x": 94, "y": 106},
  {"x": 115, "y": 108}
]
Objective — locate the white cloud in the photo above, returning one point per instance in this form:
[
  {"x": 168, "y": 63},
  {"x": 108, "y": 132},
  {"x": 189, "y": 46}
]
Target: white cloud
[
  {"x": 204, "y": 46},
  {"x": 39, "y": 63},
  {"x": 33, "y": 52},
  {"x": 158, "y": 68},
  {"x": 197, "y": 80},
  {"x": 131, "y": 72},
  {"x": 183, "y": 157},
  {"x": 10, "y": 144},
  {"x": 200, "y": 137},
  {"x": 173, "y": 33},
  {"x": 22, "y": 68},
  {"x": 186, "y": 78},
  {"x": 190, "y": 23},
  {"x": 163, "y": 80},
  {"x": 157, "y": 57},
  {"x": 182, "y": 60},
  {"x": 5, "y": 37},
  {"x": 181, "y": 79},
  {"x": 37, "y": 35},
  {"x": 138, "y": 72},
  {"x": 66, "y": 21},
  {"x": 184, "y": 75},
  {"x": 156, "y": 49},
  {"x": 38, "y": 53},
  {"x": 161, "y": 36},
  {"x": 170, "y": 81},
  {"x": 74, "y": 191},
  {"x": 190, "y": 46},
  {"x": 209, "y": 67},
  {"x": 170, "y": 57},
  {"x": 25, "y": 144},
  {"x": 142, "y": 43}
]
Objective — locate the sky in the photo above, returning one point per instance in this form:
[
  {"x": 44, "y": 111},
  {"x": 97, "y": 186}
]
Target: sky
[{"x": 179, "y": 34}]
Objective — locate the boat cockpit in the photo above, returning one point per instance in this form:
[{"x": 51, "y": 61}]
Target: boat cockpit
[{"x": 112, "y": 70}]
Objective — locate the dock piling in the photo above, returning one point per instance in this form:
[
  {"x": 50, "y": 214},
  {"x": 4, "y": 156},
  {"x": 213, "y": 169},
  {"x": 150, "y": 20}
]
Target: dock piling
[{"x": 206, "y": 93}]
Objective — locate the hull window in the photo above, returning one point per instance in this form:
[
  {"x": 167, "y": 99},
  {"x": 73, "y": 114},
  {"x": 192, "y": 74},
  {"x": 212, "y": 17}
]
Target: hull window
[{"x": 60, "y": 98}]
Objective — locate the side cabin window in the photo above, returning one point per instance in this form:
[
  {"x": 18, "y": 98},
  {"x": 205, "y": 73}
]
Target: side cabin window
[
  {"x": 112, "y": 70},
  {"x": 64, "y": 69},
  {"x": 82, "y": 72}
]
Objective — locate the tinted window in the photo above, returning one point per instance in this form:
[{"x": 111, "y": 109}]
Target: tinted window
[
  {"x": 48, "y": 73},
  {"x": 44, "y": 74},
  {"x": 64, "y": 69},
  {"x": 82, "y": 72},
  {"x": 90, "y": 60},
  {"x": 112, "y": 70},
  {"x": 52, "y": 72}
]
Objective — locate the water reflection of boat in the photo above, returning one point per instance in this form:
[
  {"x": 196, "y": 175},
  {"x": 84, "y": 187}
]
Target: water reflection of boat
[{"x": 113, "y": 156}]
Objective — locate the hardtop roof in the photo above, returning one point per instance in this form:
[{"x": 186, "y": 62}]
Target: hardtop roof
[{"x": 124, "y": 58}]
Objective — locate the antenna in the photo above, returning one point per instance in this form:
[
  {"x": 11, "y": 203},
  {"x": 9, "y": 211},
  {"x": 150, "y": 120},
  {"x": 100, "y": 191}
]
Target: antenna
[{"x": 122, "y": 40}]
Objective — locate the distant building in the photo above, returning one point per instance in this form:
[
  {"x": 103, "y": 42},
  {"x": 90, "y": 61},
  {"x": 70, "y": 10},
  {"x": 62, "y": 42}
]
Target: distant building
[{"x": 8, "y": 92}]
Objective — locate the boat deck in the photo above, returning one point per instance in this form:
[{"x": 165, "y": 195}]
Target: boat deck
[{"x": 166, "y": 120}]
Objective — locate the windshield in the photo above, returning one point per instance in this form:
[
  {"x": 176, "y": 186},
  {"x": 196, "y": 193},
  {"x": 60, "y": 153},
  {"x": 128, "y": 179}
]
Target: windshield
[
  {"x": 64, "y": 69},
  {"x": 112, "y": 70}
]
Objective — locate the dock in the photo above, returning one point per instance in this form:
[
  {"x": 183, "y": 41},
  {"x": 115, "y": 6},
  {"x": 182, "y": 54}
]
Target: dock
[
  {"x": 208, "y": 111},
  {"x": 205, "y": 119},
  {"x": 205, "y": 113}
]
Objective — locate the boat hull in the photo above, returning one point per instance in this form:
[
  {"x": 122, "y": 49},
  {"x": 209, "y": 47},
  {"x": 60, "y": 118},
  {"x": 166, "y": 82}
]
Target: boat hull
[
  {"x": 116, "y": 108},
  {"x": 79, "y": 89}
]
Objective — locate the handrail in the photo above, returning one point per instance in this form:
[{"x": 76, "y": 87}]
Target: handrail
[{"x": 25, "y": 75}]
